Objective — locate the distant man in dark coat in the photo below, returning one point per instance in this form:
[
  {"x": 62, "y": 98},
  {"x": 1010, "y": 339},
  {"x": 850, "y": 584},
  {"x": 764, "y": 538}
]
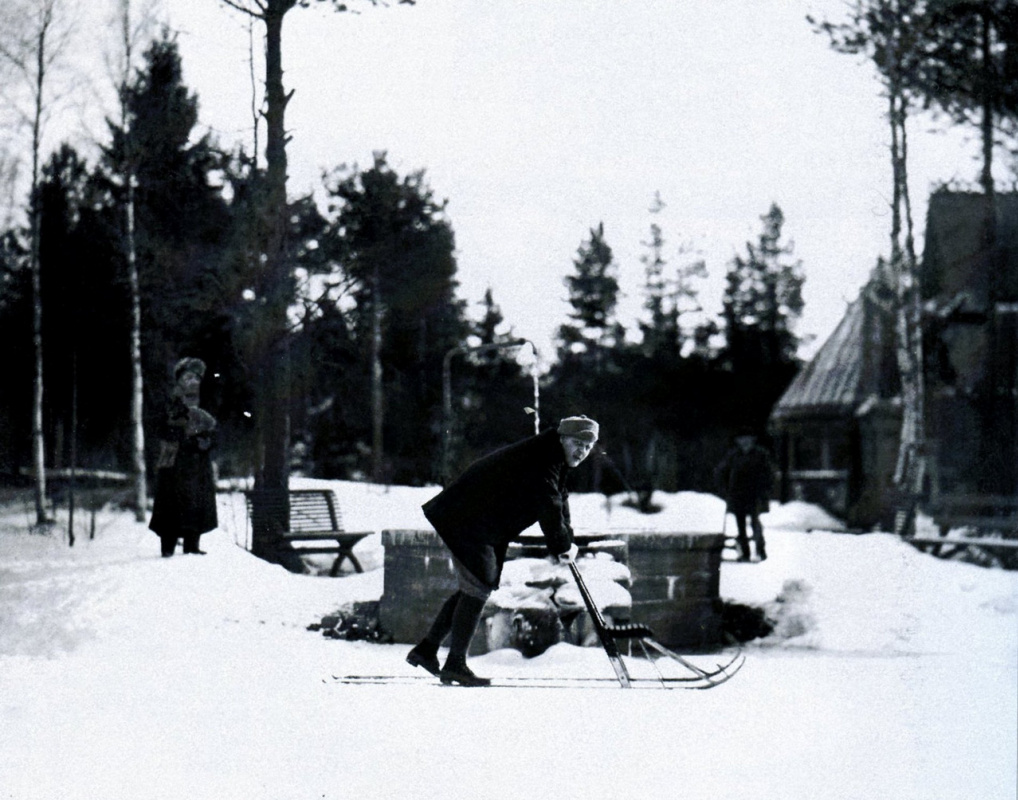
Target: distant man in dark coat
[
  {"x": 185, "y": 499},
  {"x": 745, "y": 477},
  {"x": 481, "y": 512}
]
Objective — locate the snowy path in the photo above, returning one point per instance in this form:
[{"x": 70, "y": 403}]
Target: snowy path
[{"x": 123, "y": 675}]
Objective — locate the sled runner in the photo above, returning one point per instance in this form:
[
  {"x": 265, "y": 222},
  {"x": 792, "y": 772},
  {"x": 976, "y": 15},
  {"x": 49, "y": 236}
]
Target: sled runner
[
  {"x": 694, "y": 677},
  {"x": 609, "y": 635},
  {"x": 522, "y": 682}
]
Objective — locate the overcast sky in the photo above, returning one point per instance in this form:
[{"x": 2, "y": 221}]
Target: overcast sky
[{"x": 538, "y": 120}]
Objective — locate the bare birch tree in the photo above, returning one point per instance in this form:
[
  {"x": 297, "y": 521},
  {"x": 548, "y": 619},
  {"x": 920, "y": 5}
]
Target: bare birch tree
[
  {"x": 134, "y": 23},
  {"x": 890, "y": 33},
  {"x": 36, "y": 35}
]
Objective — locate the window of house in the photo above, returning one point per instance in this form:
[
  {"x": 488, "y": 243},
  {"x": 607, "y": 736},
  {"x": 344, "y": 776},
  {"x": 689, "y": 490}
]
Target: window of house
[
  {"x": 807, "y": 451},
  {"x": 820, "y": 448}
]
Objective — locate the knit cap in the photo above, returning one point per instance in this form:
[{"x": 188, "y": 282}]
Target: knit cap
[{"x": 580, "y": 427}]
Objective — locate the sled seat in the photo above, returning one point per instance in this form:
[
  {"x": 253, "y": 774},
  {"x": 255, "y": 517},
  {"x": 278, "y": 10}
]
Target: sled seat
[
  {"x": 313, "y": 516},
  {"x": 532, "y": 545}
]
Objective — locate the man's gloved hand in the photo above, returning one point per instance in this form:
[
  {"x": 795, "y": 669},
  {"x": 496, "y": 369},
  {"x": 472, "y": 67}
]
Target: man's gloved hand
[{"x": 569, "y": 555}]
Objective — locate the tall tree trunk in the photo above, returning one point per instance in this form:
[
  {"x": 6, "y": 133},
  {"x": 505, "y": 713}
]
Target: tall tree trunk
[
  {"x": 38, "y": 437},
  {"x": 133, "y": 282},
  {"x": 271, "y": 515},
  {"x": 254, "y": 93},
  {"x": 276, "y": 278},
  {"x": 72, "y": 485},
  {"x": 986, "y": 178},
  {"x": 377, "y": 389},
  {"x": 909, "y": 469},
  {"x": 991, "y": 451},
  {"x": 137, "y": 379}
]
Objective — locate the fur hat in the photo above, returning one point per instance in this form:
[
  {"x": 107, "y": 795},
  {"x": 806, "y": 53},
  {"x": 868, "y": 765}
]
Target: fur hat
[
  {"x": 580, "y": 427},
  {"x": 195, "y": 365}
]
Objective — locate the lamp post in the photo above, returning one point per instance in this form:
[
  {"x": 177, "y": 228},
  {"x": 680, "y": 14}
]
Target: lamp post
[{"x": 447, "y": 392}]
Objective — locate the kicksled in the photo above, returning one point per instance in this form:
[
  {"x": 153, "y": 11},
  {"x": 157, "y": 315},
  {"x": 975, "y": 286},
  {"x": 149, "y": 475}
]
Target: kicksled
[
  {"x": 610, "y": 635},
  {"x": 693, "y": 675}
]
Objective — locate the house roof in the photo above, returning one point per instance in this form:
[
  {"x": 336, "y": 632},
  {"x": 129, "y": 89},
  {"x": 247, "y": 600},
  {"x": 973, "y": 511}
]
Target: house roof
[
  {"x": 853, "y": 363},
  {"x": 831, "y": 382}
]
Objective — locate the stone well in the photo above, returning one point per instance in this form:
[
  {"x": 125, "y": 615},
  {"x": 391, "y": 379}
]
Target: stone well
[{"x": 674, "y": 584}]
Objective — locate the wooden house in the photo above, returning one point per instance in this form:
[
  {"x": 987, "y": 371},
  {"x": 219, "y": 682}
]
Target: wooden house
[
  {"x": 970, "y": 320},
  {"x": 836, "y": 426}
]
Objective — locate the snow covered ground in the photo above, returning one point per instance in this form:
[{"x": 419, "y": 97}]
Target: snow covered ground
[{"x": 890, "y": 674}]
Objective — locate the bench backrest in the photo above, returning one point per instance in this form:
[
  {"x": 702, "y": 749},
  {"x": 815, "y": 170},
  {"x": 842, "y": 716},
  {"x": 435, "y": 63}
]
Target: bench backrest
[
  {"x": 978, "y": 504},
  {"x": 314, "y": 510},
  {"x": 310, "y": 509}
]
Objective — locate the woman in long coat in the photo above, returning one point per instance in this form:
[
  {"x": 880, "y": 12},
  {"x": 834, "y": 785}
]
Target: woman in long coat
[{"x": 185, "y": 499}]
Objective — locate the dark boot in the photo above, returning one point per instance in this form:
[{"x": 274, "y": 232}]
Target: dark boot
[
  {"x": 191, "y": 544},
  {"x": 758, "y": 539},
  {"x": 425, "y": 654},
  {"x": 742, "y": 538},
  {"x": 457, "y": 671},
  {"x": 464, "y": 623},
  {"x": 168, "y": 543}
]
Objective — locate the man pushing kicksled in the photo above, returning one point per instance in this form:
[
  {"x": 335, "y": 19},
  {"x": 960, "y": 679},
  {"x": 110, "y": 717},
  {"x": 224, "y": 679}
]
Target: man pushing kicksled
[{"x": 481, "y": 512}]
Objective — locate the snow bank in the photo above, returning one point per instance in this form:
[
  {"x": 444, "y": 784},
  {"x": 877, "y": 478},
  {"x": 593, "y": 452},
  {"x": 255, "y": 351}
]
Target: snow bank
[{"x": 124, "y": 675}]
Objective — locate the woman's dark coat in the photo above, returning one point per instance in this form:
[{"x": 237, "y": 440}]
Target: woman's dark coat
[
  {"x": 500, "y": 496},
  {"x": 185, "y": 499}
]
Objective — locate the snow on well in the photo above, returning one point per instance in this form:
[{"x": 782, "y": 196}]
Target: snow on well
[{"x": 889, "y": 674}]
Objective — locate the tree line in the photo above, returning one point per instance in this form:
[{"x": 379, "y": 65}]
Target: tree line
[
  {"x": 328, "y": 326},
  {"x": 375, "y": 311}
]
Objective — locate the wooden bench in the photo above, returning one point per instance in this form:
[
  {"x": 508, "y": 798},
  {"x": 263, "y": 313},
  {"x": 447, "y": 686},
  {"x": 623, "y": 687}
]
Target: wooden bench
[
  {"x": 985, "y": 512},
  {"x": 993, "y": 517},
  {"x": 313, "y": 516},
  {"x": 965, "y": 541}
]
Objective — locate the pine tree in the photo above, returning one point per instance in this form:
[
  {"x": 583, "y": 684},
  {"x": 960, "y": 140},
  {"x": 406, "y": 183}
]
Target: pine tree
[
  {"x": 658, "y": 331},
  {"x": 395, "y": 244},
  {"x": 15, "y": 320},
  {"x": 684, "y": 297},
  {"x": 762, "y": 301},
  {"x": 181, "y": 221},
  {"x": 275, "y": 285},
  {"x": 593, "y": 294},
  {"x": 492, "y": 394},
  {"x": 968, "y": 67},
  {"x": 87, "y": 313}
]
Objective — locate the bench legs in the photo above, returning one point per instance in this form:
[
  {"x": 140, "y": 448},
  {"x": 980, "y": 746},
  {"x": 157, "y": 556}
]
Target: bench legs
[{"x": 344, "y": 554}]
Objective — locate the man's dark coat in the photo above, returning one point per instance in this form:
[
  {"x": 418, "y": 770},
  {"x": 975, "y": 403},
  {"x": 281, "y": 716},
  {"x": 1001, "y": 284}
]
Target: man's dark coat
[
  {"x": 746, "y": 478},
  {"x": 498, "y": 497}
]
